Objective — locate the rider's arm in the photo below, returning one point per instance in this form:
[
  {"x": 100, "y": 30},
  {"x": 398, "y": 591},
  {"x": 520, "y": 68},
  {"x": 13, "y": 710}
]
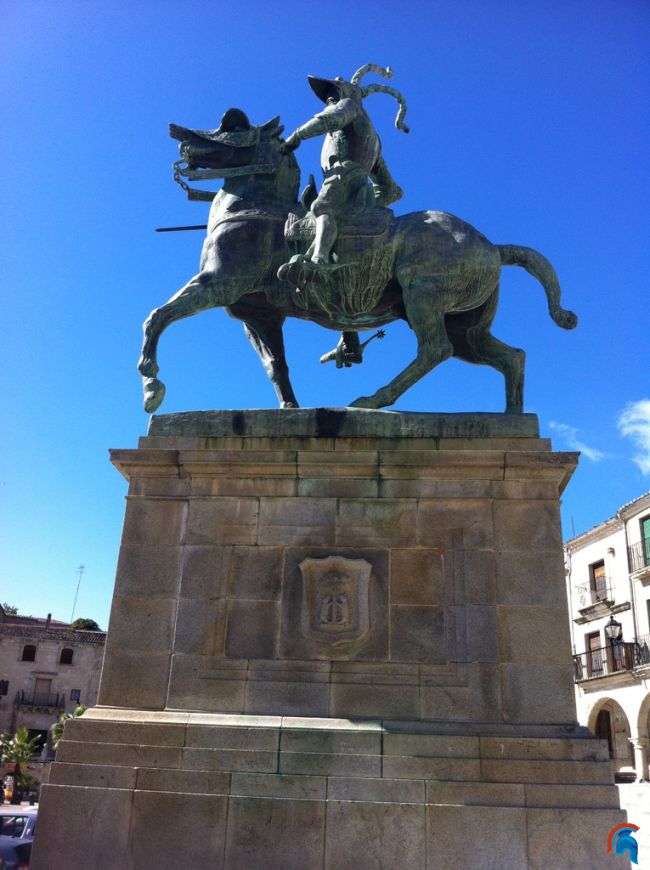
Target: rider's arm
[{"x": 334, "y": 117}]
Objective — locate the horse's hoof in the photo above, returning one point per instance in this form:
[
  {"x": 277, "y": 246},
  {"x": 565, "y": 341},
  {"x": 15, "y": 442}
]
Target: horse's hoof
[{"x": 154, "y": 393}]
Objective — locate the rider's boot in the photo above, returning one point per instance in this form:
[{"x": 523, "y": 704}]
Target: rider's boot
[
  {"x": 347, "y": 351},
  {"x": 324, "y": 238},
  {"x": 384, "y": 185},
  {"x": 386, "y": 196}
]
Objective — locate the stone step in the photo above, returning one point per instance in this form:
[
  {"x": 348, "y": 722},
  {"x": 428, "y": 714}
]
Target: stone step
[
  {"x": 455, "y": 759},
  {"x": 330, "y": 788},
  {"x": 380, "y": 739}
]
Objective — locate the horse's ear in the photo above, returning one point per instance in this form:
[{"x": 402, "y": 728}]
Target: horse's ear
[
  {"x": 233, "y": 120},
  {"x": 270, "y": 125}
]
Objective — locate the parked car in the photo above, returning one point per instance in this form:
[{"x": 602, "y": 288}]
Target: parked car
[{"x": 17, "y": 826}]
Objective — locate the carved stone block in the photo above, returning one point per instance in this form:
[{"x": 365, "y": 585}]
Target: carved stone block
[{"x": 335, "y": 604}]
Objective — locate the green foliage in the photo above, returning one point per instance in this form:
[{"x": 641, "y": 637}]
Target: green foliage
[
  {"x": 19, "y": 749},
  {"x": 57, "y": 728},
  {"x": 85, "y": 625},
  {"x": 9, "y": 609}
]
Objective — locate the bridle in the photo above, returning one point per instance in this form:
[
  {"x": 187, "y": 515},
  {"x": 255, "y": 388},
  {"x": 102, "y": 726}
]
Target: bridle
[{"x": 239, "y": 139}]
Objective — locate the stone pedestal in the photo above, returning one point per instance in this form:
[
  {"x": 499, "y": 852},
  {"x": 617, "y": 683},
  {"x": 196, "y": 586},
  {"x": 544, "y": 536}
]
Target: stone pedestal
[{"x": 339, "y": 639}]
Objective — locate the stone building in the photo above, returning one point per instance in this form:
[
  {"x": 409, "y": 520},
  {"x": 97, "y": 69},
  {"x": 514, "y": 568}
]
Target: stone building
[
  {"x": 608, "y": 577},
  {"x": 46, "y": 668}
]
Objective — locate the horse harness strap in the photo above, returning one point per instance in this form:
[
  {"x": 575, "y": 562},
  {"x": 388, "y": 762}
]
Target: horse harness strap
[
  {"x": 244, "y": 139},
  {"x": 193, "y": 193}
]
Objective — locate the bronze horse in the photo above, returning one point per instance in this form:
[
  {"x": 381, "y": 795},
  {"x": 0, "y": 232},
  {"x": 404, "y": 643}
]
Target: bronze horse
[{"x": 429, "y": 268}]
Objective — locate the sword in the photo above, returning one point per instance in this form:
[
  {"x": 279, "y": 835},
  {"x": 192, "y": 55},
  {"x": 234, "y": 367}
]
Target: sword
[{"x": 181, "y": 229}]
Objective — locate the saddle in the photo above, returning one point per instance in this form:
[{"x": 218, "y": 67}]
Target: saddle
[
  {"x": 363, "y": 256},
  {"x": 356, "y": 233}
]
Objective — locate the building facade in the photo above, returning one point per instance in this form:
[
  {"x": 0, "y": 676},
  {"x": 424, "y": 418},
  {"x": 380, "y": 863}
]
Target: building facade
[
  {"x": 608, "y": 587},
  {"x": 46, "y": 668}
]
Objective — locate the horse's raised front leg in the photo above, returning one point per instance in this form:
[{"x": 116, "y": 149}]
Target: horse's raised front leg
[
  {"x": 265, "y": 334},
  {"x": 204, "y": 291},
  {"x": 428, "y": 324}
]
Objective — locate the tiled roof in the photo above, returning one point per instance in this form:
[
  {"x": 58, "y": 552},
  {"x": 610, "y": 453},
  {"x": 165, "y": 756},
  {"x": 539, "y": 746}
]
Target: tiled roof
[{"x": 59, "y": 633}]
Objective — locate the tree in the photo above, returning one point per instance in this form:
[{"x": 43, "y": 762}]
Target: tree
[
  {"x": 85, "y": 625},
  {"x": 18, "y": 750},
  {"x": 57, "y": 728},
  {"x": 10, "y": 609}
]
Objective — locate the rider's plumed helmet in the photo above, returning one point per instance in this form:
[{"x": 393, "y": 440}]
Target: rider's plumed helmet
[{"x": 340, "y": 89}]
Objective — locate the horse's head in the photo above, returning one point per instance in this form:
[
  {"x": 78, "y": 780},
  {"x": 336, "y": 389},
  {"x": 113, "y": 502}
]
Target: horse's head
[{"x": 236, "y": 148}]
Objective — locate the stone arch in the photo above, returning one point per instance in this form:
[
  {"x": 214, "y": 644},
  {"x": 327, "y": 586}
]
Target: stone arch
[
  {"x": 643, "y": 719},
  {"x": 609, "y": 721}
]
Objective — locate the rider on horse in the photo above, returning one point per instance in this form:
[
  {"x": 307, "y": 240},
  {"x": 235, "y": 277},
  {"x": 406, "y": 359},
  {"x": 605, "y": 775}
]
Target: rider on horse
[{"x": 351, "y": 155}]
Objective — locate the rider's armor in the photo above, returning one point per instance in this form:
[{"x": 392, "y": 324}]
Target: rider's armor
[
  {"x": 351, "y": 152},
  {"x": 350, "y": 160}
]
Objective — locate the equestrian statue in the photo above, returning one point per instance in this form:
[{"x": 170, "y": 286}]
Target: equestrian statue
[{"x": 339, "y": 256}]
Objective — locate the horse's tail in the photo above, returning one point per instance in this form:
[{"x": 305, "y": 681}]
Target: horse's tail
[{"x": 539, "y": 267}]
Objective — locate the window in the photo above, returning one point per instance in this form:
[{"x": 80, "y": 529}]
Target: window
[
  {"x": 597, "y": 582},
  {"x": 75, "y": 695},
  {"x": 645, "y": 540},
  {"x": 13, "y": 826},
  {"x": 4, "y": 687},
  {"x": 42, "y": 690},
  {"x": 29, "y": 653},
  {"x": 66, "y": 656},
  {"x": 595, "y": 660}
]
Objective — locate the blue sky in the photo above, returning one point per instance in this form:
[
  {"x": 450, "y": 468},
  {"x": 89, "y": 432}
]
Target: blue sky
[{"x": 529, "y": 120}]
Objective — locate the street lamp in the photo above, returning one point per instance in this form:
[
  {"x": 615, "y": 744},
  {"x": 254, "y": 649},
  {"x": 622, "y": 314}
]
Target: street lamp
[
  {"x": 614, "y": 633},
  {"x": 614, "y": 630}
]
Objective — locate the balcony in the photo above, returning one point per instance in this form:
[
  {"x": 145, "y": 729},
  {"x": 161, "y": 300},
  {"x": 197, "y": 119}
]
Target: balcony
[
  {"x": 589, "y": 594},
  {"x": 44, "y": 700},
  {"x": 642, "y": 653},
  {"x": 639, "y": 558},
  {"x": 594, "y": 599},
  {"x": 614, "y": 659}
]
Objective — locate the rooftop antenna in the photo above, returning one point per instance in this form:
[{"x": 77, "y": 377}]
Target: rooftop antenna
[{"x": 81, "y": 569}]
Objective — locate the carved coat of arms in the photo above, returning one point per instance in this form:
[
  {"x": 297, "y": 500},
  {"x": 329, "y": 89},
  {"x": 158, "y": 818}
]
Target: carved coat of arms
[{"x": 335, "y": 599}]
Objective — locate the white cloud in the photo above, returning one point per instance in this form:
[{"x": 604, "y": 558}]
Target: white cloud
[
  {"x": 572, "y": 438},
  {"x": 634, "y": 423}
]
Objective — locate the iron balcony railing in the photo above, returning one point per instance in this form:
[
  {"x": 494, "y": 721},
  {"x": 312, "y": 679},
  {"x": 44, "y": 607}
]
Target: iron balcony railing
[
  {"x": 642, "y": 652},
  {"x": 613, "y": 659},
  {"x": 639, "y": 555},
  {"x": 594, "y": 593},
  {"x": 41, "y": 699}
]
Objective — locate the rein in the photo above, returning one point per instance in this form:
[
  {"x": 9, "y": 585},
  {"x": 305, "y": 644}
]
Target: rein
[
  {"x": 237, "y": 140},
  {"x": 181, "y": 172}
]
